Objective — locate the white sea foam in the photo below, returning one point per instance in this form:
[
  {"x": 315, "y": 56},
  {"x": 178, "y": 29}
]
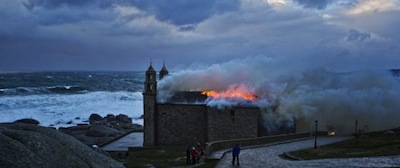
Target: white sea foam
[{"x": 58, "y": 109}]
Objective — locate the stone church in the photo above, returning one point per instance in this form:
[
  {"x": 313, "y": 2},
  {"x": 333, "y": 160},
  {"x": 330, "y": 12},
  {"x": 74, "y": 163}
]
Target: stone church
[{"x": 175, "y": 123}]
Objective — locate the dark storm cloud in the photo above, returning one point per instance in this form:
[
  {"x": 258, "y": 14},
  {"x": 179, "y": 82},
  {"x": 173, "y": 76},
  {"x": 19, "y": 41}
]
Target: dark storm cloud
[
  {"x": 125, "y": 35},
  {"x": 49, "y": 12},
  {"x": 318, "y": 4},
  {"x": 52, "y": 4},
  {"x": 356, "y": 36},
  {"x": 322, "y": 4},
  {"x": 187, "y": 27},
  {"x": 349, "y": 3},
  {"x": 182, "y": 12},
  {"x": 178, "y": 12}
]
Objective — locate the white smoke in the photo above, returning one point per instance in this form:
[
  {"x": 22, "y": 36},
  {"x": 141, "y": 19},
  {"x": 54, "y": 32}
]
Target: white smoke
[
  {"x": 372, "y": 97},
  {"x": 253, "y": 72}
]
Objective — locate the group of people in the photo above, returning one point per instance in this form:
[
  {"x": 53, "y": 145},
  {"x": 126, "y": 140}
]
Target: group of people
[{"x": 194, "y": 154}]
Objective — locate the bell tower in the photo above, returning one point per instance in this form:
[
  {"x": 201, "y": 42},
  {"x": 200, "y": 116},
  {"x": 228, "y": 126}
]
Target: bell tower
[
  {"x": 150, "y": 84},
  {"x": 163, "y": 72},
  {"x": 149, "y": 107}
]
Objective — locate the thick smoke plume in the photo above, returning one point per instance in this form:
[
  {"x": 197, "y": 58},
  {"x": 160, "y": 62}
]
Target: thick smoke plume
[{"x": 335, "y": 99}]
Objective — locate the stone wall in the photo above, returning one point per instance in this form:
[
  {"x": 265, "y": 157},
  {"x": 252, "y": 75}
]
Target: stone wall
[
  {"x": 149, "y": 101},
  {"x": 181, "y": 124},
  {"x": 233, "y": 123}
]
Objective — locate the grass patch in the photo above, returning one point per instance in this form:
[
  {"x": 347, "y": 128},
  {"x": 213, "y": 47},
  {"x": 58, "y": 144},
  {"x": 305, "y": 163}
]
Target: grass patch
[
  {"x": 383, "y": 143},
  {"x": 160, "y": 157}
]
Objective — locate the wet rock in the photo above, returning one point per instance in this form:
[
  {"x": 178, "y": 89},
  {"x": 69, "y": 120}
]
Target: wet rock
[
  {"x": 28, "y": 121},
  {"x": 123, "y": 118},
  {"x": 110, "y": 117},
  {"x": 30, "y": 146},
  {"x": 102, "y": 131},
  {"x": 137, "y": 127},
  {"x": 75, "y": 128},
  {"x": 95, "y": 119}
]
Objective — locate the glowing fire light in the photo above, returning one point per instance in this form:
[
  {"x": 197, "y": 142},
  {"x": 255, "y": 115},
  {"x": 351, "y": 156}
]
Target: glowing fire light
[{"x": 233, "y": 92}]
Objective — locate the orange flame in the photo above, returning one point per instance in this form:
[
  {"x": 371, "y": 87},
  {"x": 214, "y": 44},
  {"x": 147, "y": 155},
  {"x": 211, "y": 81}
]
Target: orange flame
[{"x": 233, "y": 92}]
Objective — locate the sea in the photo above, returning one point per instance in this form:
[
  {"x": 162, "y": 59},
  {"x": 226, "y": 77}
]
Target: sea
[{"x": 61, "y": 99}]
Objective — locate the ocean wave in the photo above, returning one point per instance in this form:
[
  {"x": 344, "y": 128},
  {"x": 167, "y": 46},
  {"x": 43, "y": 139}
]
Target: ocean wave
[
  {"x": 50, "y": 109},
  {"x": 66, "y": 89},
  {"x": 43, "y": 90}
]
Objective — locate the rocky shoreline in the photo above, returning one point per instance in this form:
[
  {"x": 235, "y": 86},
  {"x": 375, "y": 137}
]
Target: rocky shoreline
[{"x": 101, "y": 130}]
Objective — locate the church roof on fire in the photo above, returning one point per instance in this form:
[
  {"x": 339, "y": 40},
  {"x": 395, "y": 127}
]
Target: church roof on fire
[{"x": 194, "y": 97}]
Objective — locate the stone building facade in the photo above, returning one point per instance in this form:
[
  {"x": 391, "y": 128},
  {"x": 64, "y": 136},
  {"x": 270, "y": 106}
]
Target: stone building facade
[{"x": 173, "y": 124}]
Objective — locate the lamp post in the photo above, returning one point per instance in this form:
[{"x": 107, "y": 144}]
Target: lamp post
[
  {"x": 316, "y": 134},
  {"x": 356, "y": 128}
]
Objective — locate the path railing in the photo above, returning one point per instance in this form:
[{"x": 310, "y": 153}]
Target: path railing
[{"x": 227, "y": 144}]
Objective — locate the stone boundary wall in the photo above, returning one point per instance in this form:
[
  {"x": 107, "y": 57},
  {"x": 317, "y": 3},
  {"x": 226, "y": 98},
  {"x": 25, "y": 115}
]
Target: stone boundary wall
[{"x": 227, "y": 144}]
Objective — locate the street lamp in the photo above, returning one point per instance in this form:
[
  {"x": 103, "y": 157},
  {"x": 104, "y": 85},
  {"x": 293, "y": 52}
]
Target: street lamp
[
  {"x": 316, "y": 134},
  {"x": 356, "y": 128}
]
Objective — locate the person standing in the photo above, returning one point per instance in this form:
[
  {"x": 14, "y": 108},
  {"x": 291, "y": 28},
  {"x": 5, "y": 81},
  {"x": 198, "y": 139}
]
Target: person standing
[
  {"x": 188, "y": 155},
  {"x": 200, "y": 152},
  {"x": 194, "y": 154},
  {"x": 235, "y": 154}
]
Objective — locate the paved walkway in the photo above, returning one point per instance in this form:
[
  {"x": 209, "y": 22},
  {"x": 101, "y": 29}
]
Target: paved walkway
[
  {"x": 269, "y": 157},
  {"x": 134, "y": 139}
]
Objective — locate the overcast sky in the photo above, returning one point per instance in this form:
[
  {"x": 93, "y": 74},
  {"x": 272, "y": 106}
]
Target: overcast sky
[{"x": 340, "y": 35}]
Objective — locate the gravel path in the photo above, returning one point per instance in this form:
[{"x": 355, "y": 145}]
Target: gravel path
[{"x": 269, "y": 157}]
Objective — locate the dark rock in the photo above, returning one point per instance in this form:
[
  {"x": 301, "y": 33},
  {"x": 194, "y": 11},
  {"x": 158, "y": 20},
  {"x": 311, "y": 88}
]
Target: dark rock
[
  {"x": 28, "y": 121},
  {"x": 101, "y": 131},
  {"x": 30, "y": 146},
  {"x": 74, "y": 128},
  {"x": 69, "y": 122},
  {"x": 77, "y": 118},
  {"x": 124, "y": 125},
  {"x": 141, "y": 117},
  {"x": 110, "y": 117},
  {"x": 137, "y": 127},
  {"x": 97, "y": 149},
  {"x": 124, "y": 118},
  {"x": 96, "y": 119}
]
